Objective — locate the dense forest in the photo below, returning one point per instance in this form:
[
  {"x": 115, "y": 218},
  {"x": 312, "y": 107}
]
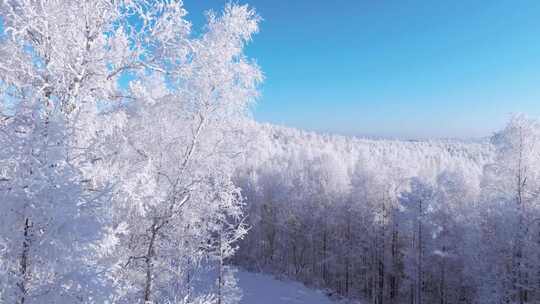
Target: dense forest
[
  {"x": 390, "y": 221},
  {"x": 132, "y": 171}
]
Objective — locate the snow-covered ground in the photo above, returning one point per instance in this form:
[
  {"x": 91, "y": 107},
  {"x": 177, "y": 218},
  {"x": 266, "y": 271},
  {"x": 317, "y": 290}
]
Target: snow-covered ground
[{"x": 264, "y": 289}]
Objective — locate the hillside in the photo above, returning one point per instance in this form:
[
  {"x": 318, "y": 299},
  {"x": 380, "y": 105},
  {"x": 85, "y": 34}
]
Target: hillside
[{"x": 367, "y": 217}]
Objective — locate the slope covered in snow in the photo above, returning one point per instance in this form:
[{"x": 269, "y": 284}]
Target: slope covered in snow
[{"x": 264, "y": 289}]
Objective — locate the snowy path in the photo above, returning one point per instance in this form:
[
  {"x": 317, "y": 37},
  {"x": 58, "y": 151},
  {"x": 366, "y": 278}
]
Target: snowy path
[{"x": 263, "y": 289}]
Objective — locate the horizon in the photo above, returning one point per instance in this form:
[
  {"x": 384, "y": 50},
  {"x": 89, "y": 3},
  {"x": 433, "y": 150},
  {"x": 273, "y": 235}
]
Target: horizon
[{"x": 422, "y": 70}]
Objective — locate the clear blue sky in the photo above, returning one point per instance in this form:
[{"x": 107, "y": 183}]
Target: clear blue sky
[{"x": 406, "y": 69}]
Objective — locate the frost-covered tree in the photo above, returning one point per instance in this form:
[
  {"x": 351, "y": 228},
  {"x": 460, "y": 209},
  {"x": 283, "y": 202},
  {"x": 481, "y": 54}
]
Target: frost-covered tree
[
  {"x": 62, "y": 61},
  {"x": 48, "y": 224},
  {"x": 417, "y": 202},
  {"x": 511, "y": 189},
  {"x": 175, "y": 162},
  {"x": 131, "y": 185}
]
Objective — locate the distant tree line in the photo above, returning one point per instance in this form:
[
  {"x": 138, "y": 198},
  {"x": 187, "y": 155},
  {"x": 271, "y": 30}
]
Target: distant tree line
[{"x": 395, "y": 221}]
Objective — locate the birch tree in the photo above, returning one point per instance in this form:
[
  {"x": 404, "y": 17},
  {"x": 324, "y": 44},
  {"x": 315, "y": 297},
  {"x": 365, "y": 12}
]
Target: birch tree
[
  {"x": 149, "y": 162},
  {"x": 176, "y": 161}
]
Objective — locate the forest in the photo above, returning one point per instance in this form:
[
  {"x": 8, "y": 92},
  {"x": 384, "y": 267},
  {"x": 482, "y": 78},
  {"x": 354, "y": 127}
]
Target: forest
[
  {"x": 132, "y": 171},
  {"x": 388, "y": 221}
]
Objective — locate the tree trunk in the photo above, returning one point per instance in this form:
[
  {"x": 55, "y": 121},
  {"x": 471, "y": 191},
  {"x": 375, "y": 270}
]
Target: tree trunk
[
  {"x": 220, "y": 275},
  {"x": 24, "y": 271},
  {"x": 348, "y": 259},
  {"x": 149, "y": 259},
  {"x": 419, "y": 269},
  {"x": 393, "y": 278},
  {"x": 324, "y": 256},
  {"x": 442, "y": 287}
]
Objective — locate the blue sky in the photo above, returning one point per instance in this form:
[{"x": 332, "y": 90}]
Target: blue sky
[{"x": 405, "y": 69}]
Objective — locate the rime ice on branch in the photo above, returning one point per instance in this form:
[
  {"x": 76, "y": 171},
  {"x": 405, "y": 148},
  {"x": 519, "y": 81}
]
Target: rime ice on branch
[{"x": 115, "y": 192}]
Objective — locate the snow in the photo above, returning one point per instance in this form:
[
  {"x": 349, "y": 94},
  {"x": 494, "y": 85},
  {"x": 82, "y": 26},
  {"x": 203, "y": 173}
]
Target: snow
[{"x": 264, "y": 289}]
